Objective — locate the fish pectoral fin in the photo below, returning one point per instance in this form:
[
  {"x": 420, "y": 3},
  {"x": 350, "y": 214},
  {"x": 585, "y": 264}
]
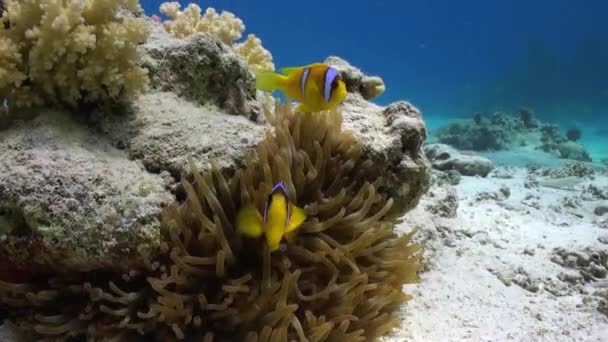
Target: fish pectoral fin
[
  {"x": 290, "y": 236},
  {"x": 298, "y": 216},
  {"x": 249, "y": 222}
]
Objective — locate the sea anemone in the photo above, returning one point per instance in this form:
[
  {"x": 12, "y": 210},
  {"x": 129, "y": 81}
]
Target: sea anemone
[{"x": 341, "y": 279}]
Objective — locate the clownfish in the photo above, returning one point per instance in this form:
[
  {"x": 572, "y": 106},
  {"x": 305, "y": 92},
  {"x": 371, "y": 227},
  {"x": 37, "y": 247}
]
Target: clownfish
[
  {"x": 317, "y": 86},
  {"x": 280, "y": 218}
]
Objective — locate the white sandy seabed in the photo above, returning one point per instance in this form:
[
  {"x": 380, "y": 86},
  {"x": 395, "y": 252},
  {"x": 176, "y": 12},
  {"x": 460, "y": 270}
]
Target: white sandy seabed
[
  {"x": 494, "y": 270},
  {"x": 493, "y": 251}
]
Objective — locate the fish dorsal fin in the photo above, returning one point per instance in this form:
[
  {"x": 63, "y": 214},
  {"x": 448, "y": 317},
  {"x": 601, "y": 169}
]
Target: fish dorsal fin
[
  {"x": 249, "y": 222},
  {"x": 289, "y": 70},
  {"x": 298, "y": 216}
]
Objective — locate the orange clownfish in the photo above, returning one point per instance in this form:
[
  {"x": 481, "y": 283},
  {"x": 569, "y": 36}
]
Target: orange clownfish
[
  {"x": 281, "y": 218},
  {"x": 317, "y": 86}
]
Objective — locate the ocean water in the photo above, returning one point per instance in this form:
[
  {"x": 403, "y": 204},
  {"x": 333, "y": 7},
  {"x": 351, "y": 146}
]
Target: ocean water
[
  {"x": 516, "y": 254},
  {"x": 454, "y": 59}
]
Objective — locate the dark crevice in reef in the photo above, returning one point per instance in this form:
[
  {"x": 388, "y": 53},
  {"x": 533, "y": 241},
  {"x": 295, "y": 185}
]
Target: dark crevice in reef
[{"x": 13, "y": 221}]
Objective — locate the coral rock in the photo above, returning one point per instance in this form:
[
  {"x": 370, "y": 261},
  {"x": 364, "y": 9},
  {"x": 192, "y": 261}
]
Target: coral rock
[
  {"x": 601, "y": 209},
  {"x": 200, "y": 68},
  {"x": 68, "y": 199},
  {"x": 444, "y": 157},
  {"x": 573, "y": 150},
  {"x": 392, "y": 137},
  {"x": 356, "y": 82},
  {"x": 164, "y": 131}
]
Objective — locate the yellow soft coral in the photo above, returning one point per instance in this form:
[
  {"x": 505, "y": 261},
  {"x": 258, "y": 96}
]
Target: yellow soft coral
[
  {"x": 60, "y": 52},
  {"x": 225, "y": 26}
]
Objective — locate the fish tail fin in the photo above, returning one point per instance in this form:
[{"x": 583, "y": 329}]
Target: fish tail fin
[
  {"x": 274, "y": 236},
  {"x": 249, "y": 222},
  {"x": 270, "y": 81}
]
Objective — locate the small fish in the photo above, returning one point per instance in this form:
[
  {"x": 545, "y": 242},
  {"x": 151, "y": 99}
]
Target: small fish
[
  {"x": 317, "y": 86},
  {"x": 281, "y": 218}
]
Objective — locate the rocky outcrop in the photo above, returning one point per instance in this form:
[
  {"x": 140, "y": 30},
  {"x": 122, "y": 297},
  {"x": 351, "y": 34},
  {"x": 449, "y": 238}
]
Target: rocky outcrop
[
  {"x": 392, "y": 137},
  {"x": 83, "y": 195},
  {"x": 164, "y": 130},
  {"x": 201, "y": 69},
  {"x": 444, "y": 157},
  {"x": 70, "y": 200}
]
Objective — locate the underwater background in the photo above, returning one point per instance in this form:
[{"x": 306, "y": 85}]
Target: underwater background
[
  {"x": 454, "y": 59},
  {"x": 442, "y": 177}
]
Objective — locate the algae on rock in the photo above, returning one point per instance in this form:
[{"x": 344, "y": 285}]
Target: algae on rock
[
  {"x": 77, "y": 199},
  {"x": 201, "y": 69}
]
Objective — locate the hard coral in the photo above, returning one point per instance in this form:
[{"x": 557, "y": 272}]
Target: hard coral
[
  {"x": 63, "y": 52},
  {"x": 340, "y": 280}
]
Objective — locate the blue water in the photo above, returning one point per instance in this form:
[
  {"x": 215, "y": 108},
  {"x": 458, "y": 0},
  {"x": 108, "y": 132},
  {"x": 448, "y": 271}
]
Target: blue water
[{"x": 453, "y": 58}]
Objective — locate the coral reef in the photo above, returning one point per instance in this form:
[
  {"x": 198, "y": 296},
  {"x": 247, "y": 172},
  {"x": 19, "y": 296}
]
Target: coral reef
[
  {"x": 86, "y": 221},
  {"x": 478, "y": 118},
  {"x": 574, "y": 151},
  {"x": 501, "y": 131},
  {"x": 444, "y": 158},
  {"x": 526, "y": 115},
  {"x": 341, "y": 279},
  {"x": 64, "y": 53},
  {"x": 574, "y": 134},
  {"x": 480, "y": 135}
]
